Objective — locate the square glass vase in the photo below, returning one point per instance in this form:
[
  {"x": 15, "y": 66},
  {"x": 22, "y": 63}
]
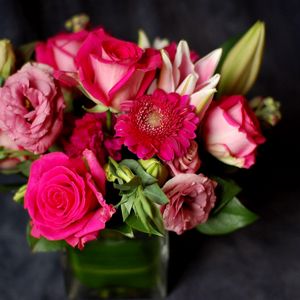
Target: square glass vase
[{"x": 117, "y": 267}]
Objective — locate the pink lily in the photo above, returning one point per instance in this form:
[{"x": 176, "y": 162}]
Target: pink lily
[{"x": 187, "y": 78}]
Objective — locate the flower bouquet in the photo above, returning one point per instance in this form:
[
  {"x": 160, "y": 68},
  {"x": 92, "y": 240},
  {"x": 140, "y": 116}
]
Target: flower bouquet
[{"x": 122, "y": 142}]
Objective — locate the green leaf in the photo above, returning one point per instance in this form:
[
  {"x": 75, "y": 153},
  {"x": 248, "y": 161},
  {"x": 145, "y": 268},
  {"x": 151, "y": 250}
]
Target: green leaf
[
  {"x": 231, "y": 218},
  {"x": 134, "y": 222},
  {"x": 127, "y": 205},
  {"x": 42, "y": 244},
  {"x": 155, "y": 194},
  {"x": 129, "y": 186},
  {"x": 226, "y": 190},
  {"x": 98, "y": 108},
  {"x": 24, "y": 167},
  {"x": 123, "y": 229},
  {"x": 136, "y": 168}
]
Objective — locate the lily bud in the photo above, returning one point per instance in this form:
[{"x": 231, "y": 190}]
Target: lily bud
[
  {"x": 266, "y": 109},
  {"x": 156, "y": 169},
  {"x": 7, "y": 58},
  {"x": 242, "y": 64}
]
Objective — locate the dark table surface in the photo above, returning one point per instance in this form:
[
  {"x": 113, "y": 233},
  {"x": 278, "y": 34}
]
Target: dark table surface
[{"x": 259, "y": 262}]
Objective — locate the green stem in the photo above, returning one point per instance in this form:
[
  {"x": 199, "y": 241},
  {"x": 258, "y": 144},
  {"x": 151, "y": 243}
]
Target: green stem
[{"x": 108, "y": 120}]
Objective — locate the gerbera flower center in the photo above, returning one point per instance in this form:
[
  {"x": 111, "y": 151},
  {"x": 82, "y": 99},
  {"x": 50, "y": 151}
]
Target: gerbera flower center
[{"x": 154, "y": 119}]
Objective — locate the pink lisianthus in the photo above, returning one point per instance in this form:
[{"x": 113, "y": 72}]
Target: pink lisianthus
[
  {"x": 191, "y": 198},
  {"x": 64, "y": 198},
  {"x": 112, "y": 70},
  {"x": 180, "y": 73},
  {"x": 189, "y": 163},
  {"x": 160, "y": 124},
  {"x": 231, "y": 132},
  {"x": 89, "y": 134},
  {"x": 31, "y": 108},
  {"x": 60, "y": 50}
]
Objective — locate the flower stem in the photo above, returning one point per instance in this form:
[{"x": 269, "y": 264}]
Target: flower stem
[{"x": 108, "y": 120}]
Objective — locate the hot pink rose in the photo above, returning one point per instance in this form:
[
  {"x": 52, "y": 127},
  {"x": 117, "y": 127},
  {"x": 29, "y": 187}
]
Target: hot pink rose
[
  {"x": 112, "y": 70},
  {"x": 191, "y": 199},
  {"x": 232, "y": 132},
  {"x": 88, "y": 134},
  {"x": 64, "y": 198},
  {"x": 31, "y": 108},
  {"x": 188, "y": 163},
  {"x": 59, "y": 51}
]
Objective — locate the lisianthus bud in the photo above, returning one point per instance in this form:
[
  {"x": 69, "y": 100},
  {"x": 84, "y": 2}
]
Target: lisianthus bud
[
  {"x": 109, "y": 175},
  {"x": 124, "y": 173},
  {"x": 241, "y": 65},
  {"x": 77, "y": 22},
  {"x": 266, "y": 109},
  {"x": 7, "y": 58},
  {"x": 188, "y": 163},
  {"x": 156, "y": 169}
]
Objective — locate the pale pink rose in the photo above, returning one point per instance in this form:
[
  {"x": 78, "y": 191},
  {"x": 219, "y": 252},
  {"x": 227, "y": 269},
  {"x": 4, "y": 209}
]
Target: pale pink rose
[
  {"x": 7, "y": 143},
  {"x": 191, "y": 198},
  {"x": 188, "y": 163},
  {"x": 60, "y": 50},
  {"x": 112, "y": 70},
  {"x": 89, "y": 134},
  {"x": 231, "y": 132},
  {"x": 31, "y": 108},
  {"x": 64, "y": 198}
]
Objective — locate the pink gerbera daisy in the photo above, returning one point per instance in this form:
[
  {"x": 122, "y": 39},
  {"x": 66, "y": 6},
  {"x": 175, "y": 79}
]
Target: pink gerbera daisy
[{"x": 160, "y": 124}]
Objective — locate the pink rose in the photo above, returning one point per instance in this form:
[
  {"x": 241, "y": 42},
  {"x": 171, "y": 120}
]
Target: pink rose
[
  {"x": 112, "y": 70},
  {"x": 191, "y": 199},
  {"x": 59, "y": 51},
  {"x": 64, "y": 198},
  {"x": 232, "y": 132},
  {"x": 88, "y": 134},
  {"x": 7, "y": 143},
  {"x": 188, "y": 163},
  {"x": 31, "y": 108}
]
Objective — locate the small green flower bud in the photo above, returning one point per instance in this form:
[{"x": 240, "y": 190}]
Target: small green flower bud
[
  {"x": 20, "y": 193},
  {"x": 156, "y": 169},
  {"x": 266, "y": 109}
]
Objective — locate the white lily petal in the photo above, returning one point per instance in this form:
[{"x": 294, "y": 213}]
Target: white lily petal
[
  {"x": 188, "y": 85},
  {"x": 206, "y": 66},
  {"x": 210, "y": 83},
  {"x": 166, "y": 80},
  {"x": 159, "y": 43},
  {"x": 143, "y": 40},
  {"x": 183, "y": 65},
  {"x": 201, "y": 100}
]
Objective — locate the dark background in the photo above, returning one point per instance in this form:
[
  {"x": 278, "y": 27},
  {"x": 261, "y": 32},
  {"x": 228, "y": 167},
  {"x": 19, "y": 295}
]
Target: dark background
[{"x": 259, "y": 262}]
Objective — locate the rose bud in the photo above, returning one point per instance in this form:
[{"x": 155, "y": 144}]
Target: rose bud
[{"x": 231, "y": 132}]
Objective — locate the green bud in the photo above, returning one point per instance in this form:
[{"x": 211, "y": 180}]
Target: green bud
[
  {"x": 156, "y": 169},
  {"x": 19, "y": 195},
  {"x": 242, "y": 63},
  {"x": 7, "y": 58},
  {"x": 266, "y": 109},
  {"x": 109, "y": 175},
  {"x": 77, "y": 23},
  {"x": 124, "y": 173}
]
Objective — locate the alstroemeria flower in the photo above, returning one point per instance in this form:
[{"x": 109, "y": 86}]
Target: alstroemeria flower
[{"x": 185, "y": 77}]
